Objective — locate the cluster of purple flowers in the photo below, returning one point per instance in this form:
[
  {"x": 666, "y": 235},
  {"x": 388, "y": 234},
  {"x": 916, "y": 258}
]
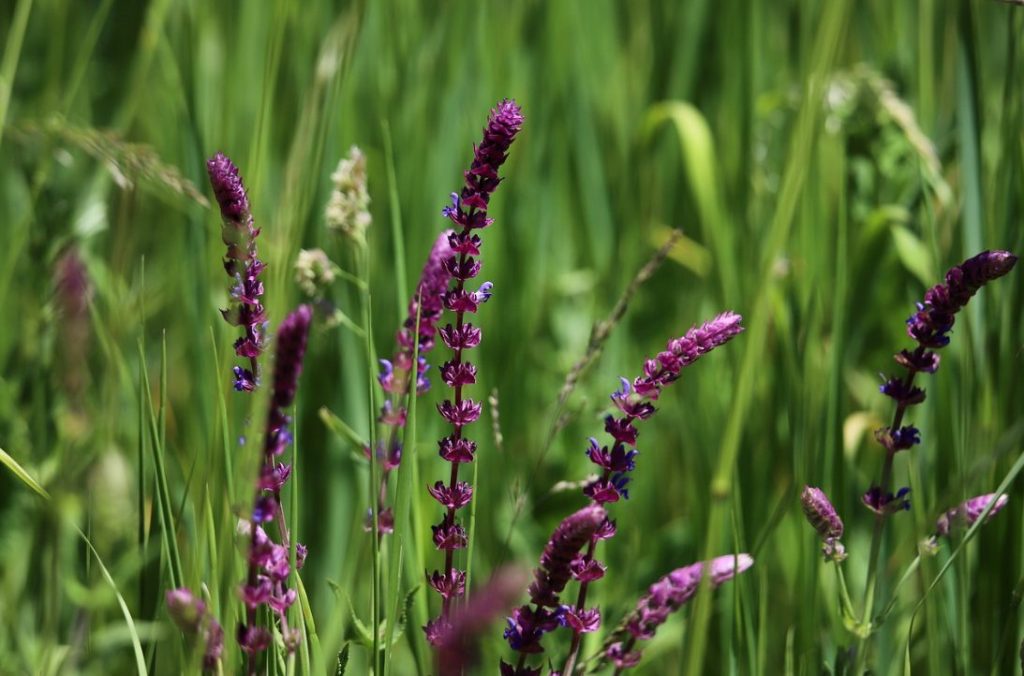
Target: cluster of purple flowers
[
  {"x": 666, "y": 596},
  {"x": 190, "y": 614},
  {"x": 468, "y": 212},
  {"x": 243, "y": 265},
  {"x": 528, "y": 624},
  {"x": 269, "y": 562},
  {"x": 823, "y": 517},
  {"x": 929, "y": 326},
  {"x": 414, "y": 340},
  {"x": 635, "y": 402},
  {"x": 967, "y": 513},
  {"x": 457, "y": 648}
]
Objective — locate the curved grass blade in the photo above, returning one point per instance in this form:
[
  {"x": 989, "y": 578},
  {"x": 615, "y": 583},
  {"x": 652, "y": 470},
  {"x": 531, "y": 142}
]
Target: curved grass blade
[{"x": 28, "y": 480}]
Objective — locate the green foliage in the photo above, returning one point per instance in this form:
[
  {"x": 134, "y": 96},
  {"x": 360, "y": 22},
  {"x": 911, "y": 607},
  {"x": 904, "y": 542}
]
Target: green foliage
[{"x": 824, "y": 162}]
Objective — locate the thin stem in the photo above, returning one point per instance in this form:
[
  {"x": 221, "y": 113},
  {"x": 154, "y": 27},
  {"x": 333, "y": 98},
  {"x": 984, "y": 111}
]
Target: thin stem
[
  {"x": 449, "y": 554},
  {"x": 871, "y": 582},
  {"x": 844, "y": 592}
]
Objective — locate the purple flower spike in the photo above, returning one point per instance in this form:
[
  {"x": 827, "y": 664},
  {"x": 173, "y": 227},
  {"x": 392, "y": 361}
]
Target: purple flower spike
[
  {"x": 669, "y": 594},
  {"x": 527, "y": 625},
  {"x": 242, "y": 264},
  {"x": 185, "y": 608},
  {"x": 458, "y": 640},
  {"x": 934, "y": 318},
  {"x": 634, "y": 400},
  {"x": 414, "y": 340},
  {"x": 555, "y": 568},
  {"x": 675, "y": 589},
  {"x": 190, "y": 614},
  {"x": 269, "y": 566},
  {"x": 968, "y": 512},
  {"x": 929, "y": 326},
  {"x": 468, "y": 213},
  {"x": 823, "y": 517}
]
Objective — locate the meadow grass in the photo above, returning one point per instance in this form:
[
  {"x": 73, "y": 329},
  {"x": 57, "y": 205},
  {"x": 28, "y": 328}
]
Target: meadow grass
[{"x": 825, "y": 162}]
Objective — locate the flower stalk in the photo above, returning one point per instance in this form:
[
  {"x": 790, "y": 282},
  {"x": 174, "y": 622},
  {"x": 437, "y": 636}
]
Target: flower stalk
[
  {"x": 414, "y": 340},
  {"x": 269, "y": 565},
  {"x": 190, "y": 614},
  {"x": 243, "y": 265},
  {"x": 663, "y": 598},
  {"x": 468, "y": 212},
  {"x": 929, "y": 326},
  {"x": 635, "y": 402}
]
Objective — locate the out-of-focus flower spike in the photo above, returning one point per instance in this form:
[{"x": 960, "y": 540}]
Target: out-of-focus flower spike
[
  {"x": 823, "y": 518},
  {"x": 243, "y": 266},
  {"x": 968, "y": 512}
]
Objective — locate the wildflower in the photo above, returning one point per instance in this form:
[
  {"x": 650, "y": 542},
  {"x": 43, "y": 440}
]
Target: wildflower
[
  {"x": 968, "y": 512},
  {"x": 414, "y": 340},
  {"x": 314, "y": 272},
  {"x": 635, "y": 401},
  {"x": 468, "y": 212},
  {"x": 73, "y": 294},
  {"x": 242, "y": 264},
  {"x": 527, "y": 625},
  {"x": 934, "y": 318},
  {"x": 269, "y": 562},
  {"x": 457, "y": 641},
  {"x": 666, "y": 596},
  {"x": 930, "y": 327},
  {"x": 823, "y": 517},
  {"x": 881, "y": 502},
  {"x": 556, "y": 562},
  {"x": 348, "y": 209},
  {"x": 190, "y": 615}
]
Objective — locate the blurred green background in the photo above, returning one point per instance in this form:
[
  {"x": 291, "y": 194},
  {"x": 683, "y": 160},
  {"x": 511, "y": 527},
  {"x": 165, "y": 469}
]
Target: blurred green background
[{"x": 825, "y": 161}]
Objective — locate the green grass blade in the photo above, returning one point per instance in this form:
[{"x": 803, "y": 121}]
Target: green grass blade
[
  {"x": 140, "y": 660},
  {"x": 22, "y": 475},
  {"x": 397, "y": 232},
  {"x": 28, "y": 480},
  {"x": 12, "y": 53}
]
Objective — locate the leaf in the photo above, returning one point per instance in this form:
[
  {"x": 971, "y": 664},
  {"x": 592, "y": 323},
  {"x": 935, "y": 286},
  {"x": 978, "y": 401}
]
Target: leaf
[
  {"x": 341, "y": 428},
  {"x": 363, "y": 635},
  {"x": 140, "y": 660},
  {"x": 914, "y": 255},
  {"x": 24, "y": 476}
]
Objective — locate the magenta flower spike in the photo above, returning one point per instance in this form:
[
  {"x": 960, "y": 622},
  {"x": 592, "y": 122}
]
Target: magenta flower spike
[
  {"x": 426, "y": 305},
  {"x": 635, "y": 401},
  {"x": 243, "y": 265},
  {"x": 968, "y": 512},
  {"x": 527, "y": 625},
  {"x": 468, "y": 212},
  {"x": 823, "y": 518},
  {"x": 929, "y": 327},
  {"x": 666, "y": 596},
  {"x": 269, "y": 563},
  {"x": 191, "y": 616},
  {"x": 458, "y": 642}
]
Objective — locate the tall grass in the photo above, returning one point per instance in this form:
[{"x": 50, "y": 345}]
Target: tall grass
[{"x": 824, "y": 161}]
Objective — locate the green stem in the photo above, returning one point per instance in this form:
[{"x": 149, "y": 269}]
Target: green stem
[{"x": 871, "y": 583}]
